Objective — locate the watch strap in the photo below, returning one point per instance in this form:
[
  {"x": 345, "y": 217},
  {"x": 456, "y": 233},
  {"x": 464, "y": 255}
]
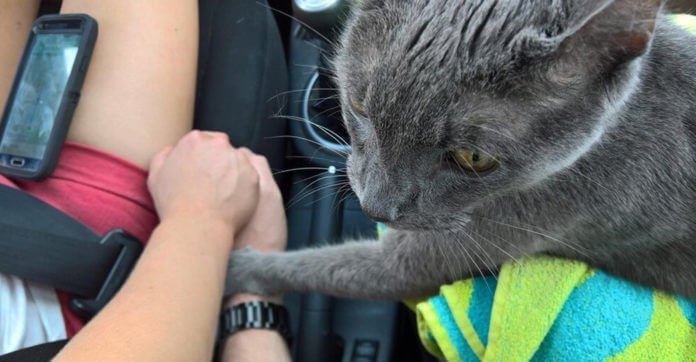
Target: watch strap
[{"x": 256, "y": 315}]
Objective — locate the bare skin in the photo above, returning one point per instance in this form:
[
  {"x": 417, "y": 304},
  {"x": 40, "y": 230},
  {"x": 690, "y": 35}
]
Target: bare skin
[
  {"x": 168, "y": 289},
  {"x": 267, "y": 232},
  {"x": 138, "y": 96},
  {"x": 170, "y": 299},
  {"x": 137, "y": 100}
]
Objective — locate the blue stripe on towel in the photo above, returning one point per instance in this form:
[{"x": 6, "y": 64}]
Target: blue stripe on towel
[
  {"x": 444, "y": 314},
  {"x": 688, "y": 307},
  {"x": 617, "y": 319},
  {"x": 481, "y": 306}
]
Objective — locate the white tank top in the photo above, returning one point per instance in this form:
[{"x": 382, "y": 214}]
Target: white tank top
[{"x": 29, "y": 315}]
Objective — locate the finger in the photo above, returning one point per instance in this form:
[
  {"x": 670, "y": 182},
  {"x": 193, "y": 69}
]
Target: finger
[
  {"x": 189, "y": 137},
  {"x": 247, "y": 152},
  {"x": 158, "y": 160},
  {"x": 245, "y": 162},
  {"x": 261, "y": 165},
  {"x": 216, "y": 135},
  {"x": 259, "y": 162},
  {"x": 156, "y": 165}
]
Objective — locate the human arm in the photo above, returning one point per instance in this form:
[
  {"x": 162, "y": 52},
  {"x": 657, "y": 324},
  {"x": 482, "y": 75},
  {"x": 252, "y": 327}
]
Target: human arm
[
  {"x": 204, "y": 191},
  {"x": 267, "y": 232}
]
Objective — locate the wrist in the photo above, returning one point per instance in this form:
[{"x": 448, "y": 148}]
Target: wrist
[
  {"x": 218, "y": 233},
  {"x": 253, "y": 318},
  {"x": 248, "y": 297}
]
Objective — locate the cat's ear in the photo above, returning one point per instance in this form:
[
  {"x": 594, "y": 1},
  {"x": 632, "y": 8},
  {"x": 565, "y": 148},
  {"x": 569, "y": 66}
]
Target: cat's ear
[
  {"x": 616, "y": 30},
  {"x": 620, "y": 29}
]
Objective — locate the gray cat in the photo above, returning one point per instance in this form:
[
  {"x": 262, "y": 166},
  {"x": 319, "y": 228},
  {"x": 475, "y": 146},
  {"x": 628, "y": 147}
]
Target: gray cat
[{"x": 487, "y": 130}]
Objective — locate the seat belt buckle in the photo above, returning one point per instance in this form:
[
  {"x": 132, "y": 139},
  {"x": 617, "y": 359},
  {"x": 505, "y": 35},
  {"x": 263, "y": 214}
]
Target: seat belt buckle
[{"x": 131, "y": 248}]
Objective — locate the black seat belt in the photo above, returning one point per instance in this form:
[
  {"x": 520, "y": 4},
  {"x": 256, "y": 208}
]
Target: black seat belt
[{"x": 44, "y": 245}]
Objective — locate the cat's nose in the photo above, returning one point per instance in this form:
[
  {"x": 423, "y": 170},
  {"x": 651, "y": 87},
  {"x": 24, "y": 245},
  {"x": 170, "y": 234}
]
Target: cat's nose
[{"x": 383, "y": 215}]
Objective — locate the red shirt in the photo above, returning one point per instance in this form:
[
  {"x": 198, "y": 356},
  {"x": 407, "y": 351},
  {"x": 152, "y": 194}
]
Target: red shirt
[{"x": 102, "y": 191}]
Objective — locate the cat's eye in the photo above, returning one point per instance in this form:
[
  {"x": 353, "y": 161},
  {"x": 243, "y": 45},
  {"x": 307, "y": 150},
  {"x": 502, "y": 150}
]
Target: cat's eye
[
  {"x": 358, "y": 108},
  {"x": 475, "y": 160}
]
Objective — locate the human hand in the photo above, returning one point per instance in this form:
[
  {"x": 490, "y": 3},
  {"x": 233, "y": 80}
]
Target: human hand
[
  {"x": 267, "y": 229},
  {"x": 205, "y": 180}
]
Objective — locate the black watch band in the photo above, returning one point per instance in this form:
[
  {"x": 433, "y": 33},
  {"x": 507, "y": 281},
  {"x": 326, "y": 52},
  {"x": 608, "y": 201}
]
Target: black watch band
[{"x": 256, "y": 315}]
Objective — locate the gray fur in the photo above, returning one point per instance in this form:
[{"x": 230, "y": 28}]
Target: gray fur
[{"x": 587, "y": 104}]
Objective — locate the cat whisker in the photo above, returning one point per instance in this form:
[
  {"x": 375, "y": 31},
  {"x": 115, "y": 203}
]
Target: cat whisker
[
  {"x": 335, "y": 108},
  {"x": 473, "y": 261},
  {"x": 449, "y": 267},
  {"x": 497, "y": 247},
  {"x": 313, "y": 67},
  {"x": 286, "y": 93},
  {"x": 342, "y": 194},
  {"x": 568, "y": 244},
  {"x": 310, "y": 193},
  {"x": 492, "y": 268},
  {"x": 321, "y": 100},
  {"x": 308, "y": 178},
  {"x": 461, "y": 268},
  {"x": 348, "y": 194},
  {"x": 333, "y": 135},
  {"x": 315, "y": 31},
  {"x": 299, "y": 91},
  {"x": 334, "y": 195},
  {"x": 327, "y": 131},
  {"x": 318, "y": 101},
  {"x": 303, "y": 169},
  {"x": 348, "y": 190},
  {"x": 340, "y": 153},
  {"x": 315, "y": 176},
  {"x": 330, "y": 51},
  {"x": 311, "y": 158},
  {"x": 339, "y": 110},
  {"x": 461, "y": 246},
  {"x": 307, "y": 191}
]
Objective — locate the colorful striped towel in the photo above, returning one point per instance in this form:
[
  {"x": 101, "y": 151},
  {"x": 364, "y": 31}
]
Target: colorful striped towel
[{"x": 547, "y": 309}]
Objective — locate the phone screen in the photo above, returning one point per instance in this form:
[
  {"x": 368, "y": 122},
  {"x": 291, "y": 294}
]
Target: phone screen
[{"x": 39, "y": 95}]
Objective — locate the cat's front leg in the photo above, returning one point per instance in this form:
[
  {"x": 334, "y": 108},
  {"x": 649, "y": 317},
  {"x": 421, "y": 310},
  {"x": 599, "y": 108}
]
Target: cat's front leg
[{"x": 402, "y": 265}]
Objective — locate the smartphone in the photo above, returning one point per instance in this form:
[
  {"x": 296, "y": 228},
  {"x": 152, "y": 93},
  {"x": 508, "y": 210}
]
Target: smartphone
[{"x": 44, "y": 94}]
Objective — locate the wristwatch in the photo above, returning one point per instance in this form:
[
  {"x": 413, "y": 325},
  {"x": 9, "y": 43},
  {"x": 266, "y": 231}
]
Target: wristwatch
[{"x": 256, "y": 315}]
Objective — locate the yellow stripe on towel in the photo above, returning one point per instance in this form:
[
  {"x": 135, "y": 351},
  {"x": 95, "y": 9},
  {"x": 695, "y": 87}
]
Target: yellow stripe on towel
[
  {"x": 669, "y": 337},
  {"x": 458, "y": 296},
  {"x": 433, "y": 335},
  {"x": 521, "y": 317}
]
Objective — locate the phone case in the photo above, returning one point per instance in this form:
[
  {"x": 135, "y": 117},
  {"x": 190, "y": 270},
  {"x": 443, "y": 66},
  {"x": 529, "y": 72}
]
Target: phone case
[{"x": 62, "y": 24}]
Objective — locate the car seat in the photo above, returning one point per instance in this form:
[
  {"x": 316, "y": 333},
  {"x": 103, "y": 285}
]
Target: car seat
[{"x": 242, "y": 76}]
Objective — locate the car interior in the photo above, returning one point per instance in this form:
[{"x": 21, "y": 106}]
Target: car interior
[
  {"x": 321, "y": 208},
  {"x": 265, "y": 79},
  {"x": 290, "y": 113}
]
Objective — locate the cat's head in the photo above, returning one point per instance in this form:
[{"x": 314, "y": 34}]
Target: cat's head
[{"x": 451, "y": 102}]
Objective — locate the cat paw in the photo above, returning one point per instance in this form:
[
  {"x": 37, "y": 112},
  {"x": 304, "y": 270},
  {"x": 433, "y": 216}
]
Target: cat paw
[{"x": 243, "y": 273}]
